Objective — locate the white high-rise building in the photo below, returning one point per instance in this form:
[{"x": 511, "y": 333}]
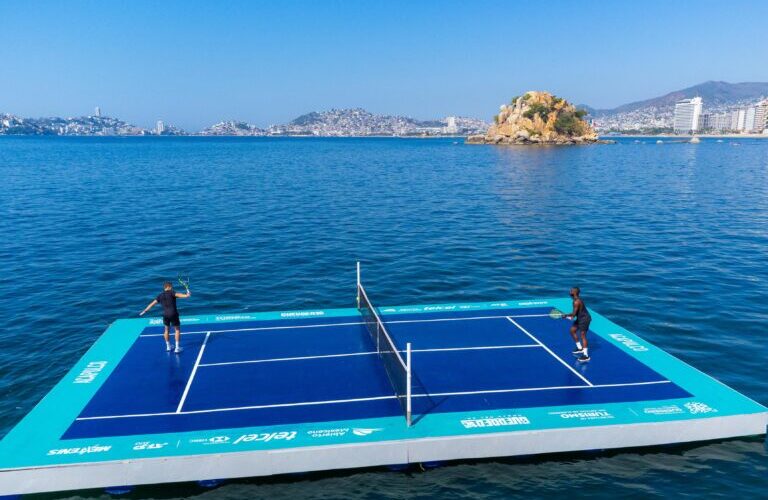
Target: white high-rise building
[
  {"x": 749, "y": 119},
  {"x": 451, "y": 127},
  {"x": 98, "y": 111},
  {"x": 160, "y": 127},
  {"x": 687, "y": 113},
  {"x": 734, "y": 120},
  {"x": 761, "y": 116},
  {"x": 741, "y": 118}
]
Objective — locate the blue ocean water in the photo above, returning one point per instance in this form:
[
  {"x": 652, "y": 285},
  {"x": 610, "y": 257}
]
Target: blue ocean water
[{"x": 669, "y": 240}]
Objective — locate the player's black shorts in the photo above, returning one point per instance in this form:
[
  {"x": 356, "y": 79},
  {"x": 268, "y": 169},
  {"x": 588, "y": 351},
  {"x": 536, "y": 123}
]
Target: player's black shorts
[
  {"x": 582, "y": 326},
  {"x": 172, "y": 320}
]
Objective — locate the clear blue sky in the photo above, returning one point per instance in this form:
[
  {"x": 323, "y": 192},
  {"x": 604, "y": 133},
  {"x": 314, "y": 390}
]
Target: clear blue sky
[{"x": 194, "y": 63}]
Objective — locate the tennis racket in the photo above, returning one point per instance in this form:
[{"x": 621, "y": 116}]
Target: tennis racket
[
  {"x": 184, "y": 281},
  {"x": 556, "y": 314}
]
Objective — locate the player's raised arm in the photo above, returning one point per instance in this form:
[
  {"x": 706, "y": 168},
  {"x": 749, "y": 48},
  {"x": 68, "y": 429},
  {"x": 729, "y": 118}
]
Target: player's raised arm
[
  {"x": 184, "y": 295},
  {"x": 150, "y": 306}
]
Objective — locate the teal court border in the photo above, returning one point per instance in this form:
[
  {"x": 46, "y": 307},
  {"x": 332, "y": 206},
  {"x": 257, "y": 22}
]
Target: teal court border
[{"x": 35, "y": 441}]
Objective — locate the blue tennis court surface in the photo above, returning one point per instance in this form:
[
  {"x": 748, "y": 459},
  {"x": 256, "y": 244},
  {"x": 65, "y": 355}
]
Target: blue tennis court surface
[
  {"x": 488, "y": 379},
  {"x": 259, "y": 373}
]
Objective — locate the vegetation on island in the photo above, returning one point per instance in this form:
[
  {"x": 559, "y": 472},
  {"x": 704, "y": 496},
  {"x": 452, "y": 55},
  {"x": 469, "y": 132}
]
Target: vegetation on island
[{"x": 538, "y": 118}]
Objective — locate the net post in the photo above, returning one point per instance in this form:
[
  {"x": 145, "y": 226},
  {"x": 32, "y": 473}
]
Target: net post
[
  {"x": 358, "y": 284},
  {"x": 408, "y": 383}
]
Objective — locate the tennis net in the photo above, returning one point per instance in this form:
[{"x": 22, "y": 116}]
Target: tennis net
[{"x": 398, "y": 369}]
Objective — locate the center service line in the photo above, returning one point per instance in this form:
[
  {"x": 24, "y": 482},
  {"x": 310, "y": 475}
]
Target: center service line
[
  {"x": 550, "y": 351},
  {"x": 192, "y": 375}
]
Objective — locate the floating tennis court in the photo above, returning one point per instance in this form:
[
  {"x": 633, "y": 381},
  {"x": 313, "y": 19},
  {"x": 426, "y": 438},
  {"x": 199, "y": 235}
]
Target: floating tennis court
[{"x": 271, "y": 393}]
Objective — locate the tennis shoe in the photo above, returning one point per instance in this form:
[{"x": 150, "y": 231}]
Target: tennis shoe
[
  {"x": 577, "y": 352},
  {"x": 584, "y": 359},
  {"x": 178, "y": 349},
  {"x": 168, "y": 348}
]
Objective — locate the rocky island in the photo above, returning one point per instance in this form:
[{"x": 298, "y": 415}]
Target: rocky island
[{"x": 538, "y": 118}]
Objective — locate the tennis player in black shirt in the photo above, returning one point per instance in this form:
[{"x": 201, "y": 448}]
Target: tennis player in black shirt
[
  {"x": 581, "y": 320},
  {"x": 170, "y": 314}
]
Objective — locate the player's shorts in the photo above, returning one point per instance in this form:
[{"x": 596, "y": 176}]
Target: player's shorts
[
  {"x": 172, "y": 320},
  {"x": 582, "y": 326}
]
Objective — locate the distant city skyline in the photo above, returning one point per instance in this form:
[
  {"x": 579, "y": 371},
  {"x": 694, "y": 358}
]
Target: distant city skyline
[{"x": 191, "y": 64}]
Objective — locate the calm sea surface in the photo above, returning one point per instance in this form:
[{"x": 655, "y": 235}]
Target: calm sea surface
[{"x": 668, "y": 240}]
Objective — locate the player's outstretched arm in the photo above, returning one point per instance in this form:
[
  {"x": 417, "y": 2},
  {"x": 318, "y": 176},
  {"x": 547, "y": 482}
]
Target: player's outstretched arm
[
  {"x": 150, "y": 306},
  {"x": 184, "y": 295}
]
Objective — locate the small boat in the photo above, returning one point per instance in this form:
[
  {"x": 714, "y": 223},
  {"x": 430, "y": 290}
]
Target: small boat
[
  {"x": 659, "y": 142},
  {"x": 695, "y": 140}
]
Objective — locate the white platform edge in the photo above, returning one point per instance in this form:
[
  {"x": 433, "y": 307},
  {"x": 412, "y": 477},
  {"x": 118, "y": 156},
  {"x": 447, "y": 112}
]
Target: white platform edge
[{"x": 318, "y": 458}]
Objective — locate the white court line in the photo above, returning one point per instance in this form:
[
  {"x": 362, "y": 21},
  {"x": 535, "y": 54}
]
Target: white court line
[
  {"x": 296, "y": 358},
  {"x": 255, "y": 329},
  {"x": 526, "y": 389},
  {"x": 500, "y": 316},
  {"x": 366, "y": 353},
  {"x": 323, "y": 325},
  {"x": 549, "y": 351},
  {"x": 376, "y": 398},
  {"x": 239, "y": 408},
  {"x": 192, "y": 375}
]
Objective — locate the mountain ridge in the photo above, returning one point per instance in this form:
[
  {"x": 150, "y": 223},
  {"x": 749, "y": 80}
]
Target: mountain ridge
[{"x": 713, "y": 92}]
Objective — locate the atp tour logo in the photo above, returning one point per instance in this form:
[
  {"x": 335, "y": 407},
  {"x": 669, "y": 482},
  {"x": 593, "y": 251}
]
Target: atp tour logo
[
  {"x": 146, "y": 445},
  {"x": 696, "y": 408}
]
